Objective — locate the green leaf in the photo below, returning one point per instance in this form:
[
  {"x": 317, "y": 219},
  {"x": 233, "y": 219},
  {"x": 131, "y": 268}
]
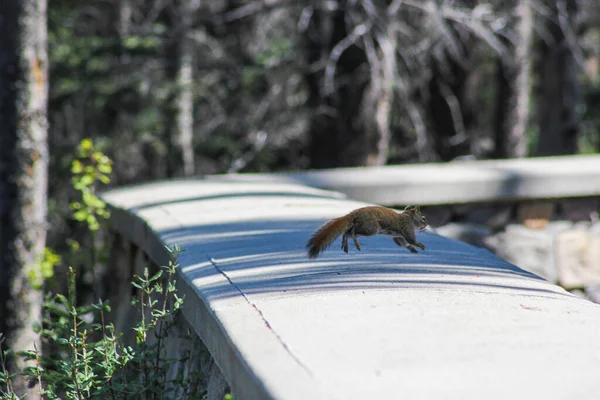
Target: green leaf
[
  {"x": 156, "y": 276},
  {"x": 76, "y": 167},
  {"x": 86, "y": 144},
  {"x": 137, "y": 285},
  {"x": 105, "y": 165},
  {"x": 63, "y": 300},
  {"x": 92, "y": 222},
  {"x": 86, "y": 180},
  {"x": 57, "y": 310},
  {"x": 80, "y": 215},
  {"x": 73, "y": 245},
  {"x": 77, "y": 184}
]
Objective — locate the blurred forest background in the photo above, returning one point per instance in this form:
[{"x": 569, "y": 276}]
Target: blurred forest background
[
  {"x": 179, "y": 87},
  {"x": 172, "y": 88}
]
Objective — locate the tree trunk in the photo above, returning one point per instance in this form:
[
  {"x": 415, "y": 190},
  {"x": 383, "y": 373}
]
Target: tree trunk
[
  {"x": 23, "y": 172},
  {"x": 378, "y": 99},
  {"x": 560, "y": 92},
  {"x": 447, "y": 117},
  {"x": 512, "y": 109},
  {"x": 337, "y": 136},
  {"x": 181, "y": 131},
  {"x": 124, "y": 17},
  {"x": 185, "y": 80}
]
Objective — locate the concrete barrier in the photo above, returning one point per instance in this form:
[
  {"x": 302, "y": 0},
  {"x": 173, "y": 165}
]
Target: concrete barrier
[
  {"x": 455, "y": 182},
  {"x": 452, "y": 322}
]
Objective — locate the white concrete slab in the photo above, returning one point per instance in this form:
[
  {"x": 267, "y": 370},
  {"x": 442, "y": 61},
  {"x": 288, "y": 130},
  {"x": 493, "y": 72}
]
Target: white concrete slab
[
  {"x": 452, "y": 322},
  {"x": 455, "y": 182}
]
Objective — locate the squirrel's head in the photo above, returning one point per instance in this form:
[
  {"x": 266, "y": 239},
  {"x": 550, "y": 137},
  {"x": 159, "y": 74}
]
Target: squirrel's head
[{"x": 416, "y": 217}]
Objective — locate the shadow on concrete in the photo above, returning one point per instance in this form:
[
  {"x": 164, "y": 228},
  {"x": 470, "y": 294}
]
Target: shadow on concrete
[
  {"x": 509, "y": 187},
  {"x": 267, "y": 258}
]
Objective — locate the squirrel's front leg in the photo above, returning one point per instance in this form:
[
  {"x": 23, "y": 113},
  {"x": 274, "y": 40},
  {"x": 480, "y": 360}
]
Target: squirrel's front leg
[
  {"x": 411, "y": 239},
  {"x": 402, "y": 242}
]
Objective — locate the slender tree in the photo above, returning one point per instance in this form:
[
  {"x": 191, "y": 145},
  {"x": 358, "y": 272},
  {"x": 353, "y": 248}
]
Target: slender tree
[
  {"x": 125, "y": 9},
  {"x": 560, "y": 90},
  {"x": 337, "y": 137},
  {"x": 23, "y": 172},
  {"x": 180, "y": 112},
  {"x": 513, "y": 87},
  {"x": 185, "y": 81}
]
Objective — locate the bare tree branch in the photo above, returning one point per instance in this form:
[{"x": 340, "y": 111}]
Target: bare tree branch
[
  {"x": 337, "y": 52},
  {"x": 570, "y": 35}
]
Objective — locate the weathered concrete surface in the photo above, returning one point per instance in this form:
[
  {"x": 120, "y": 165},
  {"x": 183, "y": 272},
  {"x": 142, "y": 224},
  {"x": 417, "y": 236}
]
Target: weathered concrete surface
[
  {"x": 456, "y": 182},
  {"x": 452, "y": 322}
]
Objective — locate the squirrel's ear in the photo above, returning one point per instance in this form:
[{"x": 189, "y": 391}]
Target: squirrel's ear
[{"x": 412, "y": 209}]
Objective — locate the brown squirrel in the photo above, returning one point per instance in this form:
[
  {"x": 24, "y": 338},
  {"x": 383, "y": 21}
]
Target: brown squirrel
[{"x": 368, "y": 221}]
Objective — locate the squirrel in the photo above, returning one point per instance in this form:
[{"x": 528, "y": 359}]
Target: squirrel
[{"x": 368, "y": 221}]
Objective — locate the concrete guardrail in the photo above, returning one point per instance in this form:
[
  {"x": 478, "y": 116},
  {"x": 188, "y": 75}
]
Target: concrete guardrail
[
  {"x": 452, "y": 322},
  {"x": 455, "y": 182}
]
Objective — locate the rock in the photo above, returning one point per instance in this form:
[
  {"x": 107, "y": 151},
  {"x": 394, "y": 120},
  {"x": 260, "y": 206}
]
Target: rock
[
  {"x": 579, "y": 209},
  {"x": 438, "y": 215},
  {"x": 578, "y": 258},
  {"x": 493, "y": 216},
  {"x": 530, "y": 249},
  {"x": 593, "y": 293},
  {"x": 536, "y": 215},
  {"x": 579, "y": 293},
  {"x": 595, "y": 228},
  {"x": 470, "y": 233}
]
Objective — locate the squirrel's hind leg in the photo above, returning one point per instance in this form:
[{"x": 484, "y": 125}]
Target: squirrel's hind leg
[
  {"x": 352, "y": 233},
  {"x": 345, "y": 242},
  {"x": 355, "y": 239}
]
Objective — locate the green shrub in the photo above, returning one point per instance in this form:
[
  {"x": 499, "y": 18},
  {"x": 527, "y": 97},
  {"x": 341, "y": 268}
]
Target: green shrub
[{"x": 90, "y": 361}]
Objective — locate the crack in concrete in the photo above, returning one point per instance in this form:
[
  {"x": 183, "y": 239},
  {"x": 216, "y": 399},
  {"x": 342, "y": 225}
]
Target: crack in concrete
[{"x": 267, "y": 324}]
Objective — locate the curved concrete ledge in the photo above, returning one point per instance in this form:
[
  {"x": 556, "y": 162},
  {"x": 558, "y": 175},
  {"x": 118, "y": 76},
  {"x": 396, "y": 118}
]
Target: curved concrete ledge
[
  {"x": 455, "y": 182},
  {"x": 453, "y": 322}
]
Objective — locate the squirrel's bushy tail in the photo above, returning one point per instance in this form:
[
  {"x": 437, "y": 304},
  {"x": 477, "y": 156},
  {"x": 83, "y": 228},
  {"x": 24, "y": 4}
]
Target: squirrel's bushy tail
[{"x": 326, "y": 234}]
